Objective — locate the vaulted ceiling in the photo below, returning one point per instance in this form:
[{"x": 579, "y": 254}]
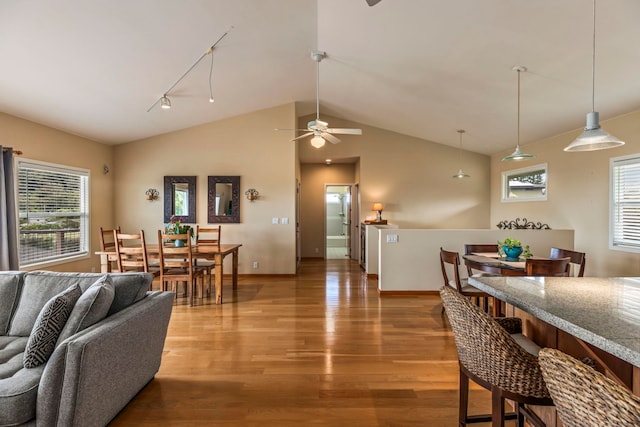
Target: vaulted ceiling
[{"x": 422, "y": 68}]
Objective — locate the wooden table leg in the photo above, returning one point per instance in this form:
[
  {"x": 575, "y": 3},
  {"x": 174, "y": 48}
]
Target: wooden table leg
[
  {"x": 218, "y": 281},
  {"x": 235, "y": 269}
]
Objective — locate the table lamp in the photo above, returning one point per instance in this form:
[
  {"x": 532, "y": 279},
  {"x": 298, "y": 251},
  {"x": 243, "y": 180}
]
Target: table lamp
[{"x": 378, "y": 208}]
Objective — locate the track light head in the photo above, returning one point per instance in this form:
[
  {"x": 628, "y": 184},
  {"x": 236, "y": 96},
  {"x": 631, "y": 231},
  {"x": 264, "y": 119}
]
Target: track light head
[{"x": 165, "y": 103}]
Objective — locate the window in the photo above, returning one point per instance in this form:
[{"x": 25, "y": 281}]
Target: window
[
  {"x": 624, "y": 206},
  {"x": 53, "y": 209},
  {"x": 525, "y": 185}
]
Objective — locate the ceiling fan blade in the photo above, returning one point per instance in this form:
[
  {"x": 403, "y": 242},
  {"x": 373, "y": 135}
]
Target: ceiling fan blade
[
  {"x": 332, "y": 139},
  {"x": 298, "y": 130},
  {"x": 373, "y": 2},
  {"x": 302, "y": 136},
  {"x": 345, "y": 131}
]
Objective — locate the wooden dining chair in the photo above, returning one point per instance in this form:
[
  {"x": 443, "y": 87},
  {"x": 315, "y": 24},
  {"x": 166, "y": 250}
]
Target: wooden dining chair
[
  {"x": 474, "y": 248},
  {"x": 450, "y": 264},
  {"x": 131, "y": 253},
  {"x": 207, "y": 236},
  {"x": 108, "y": 244},
  {"x": 577, "y": 258},
  {"x": 547, "y": 267},
  {"x": 177, "y": 265}
]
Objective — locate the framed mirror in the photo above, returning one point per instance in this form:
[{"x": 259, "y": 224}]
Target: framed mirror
[
  {"x": 525, "y": 185},
  {"x": 180, "y": 198},
  {"x": 223, "y": 199}
]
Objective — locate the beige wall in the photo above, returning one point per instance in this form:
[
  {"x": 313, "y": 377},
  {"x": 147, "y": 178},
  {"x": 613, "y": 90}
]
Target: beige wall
[
  {"x": 43, "y": 143},
  {"x": 246, "y": 146},
  {"x": 578, "y": 194},
  {"x": 312, "y": 220},
  {"x": 412, "y": 177}
]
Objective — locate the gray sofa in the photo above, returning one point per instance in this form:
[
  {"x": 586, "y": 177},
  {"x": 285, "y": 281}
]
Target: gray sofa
[{"x": 108, "y": 348}]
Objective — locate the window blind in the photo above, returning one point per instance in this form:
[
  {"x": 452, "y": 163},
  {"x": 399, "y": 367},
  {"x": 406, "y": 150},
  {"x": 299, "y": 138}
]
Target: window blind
[
  {"x": 625, "y": 203},
  {"x": 53, "y": 211}
]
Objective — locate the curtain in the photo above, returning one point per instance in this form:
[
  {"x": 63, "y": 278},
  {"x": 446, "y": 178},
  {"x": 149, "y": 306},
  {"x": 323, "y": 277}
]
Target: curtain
[{"x": 8, "y": 213}]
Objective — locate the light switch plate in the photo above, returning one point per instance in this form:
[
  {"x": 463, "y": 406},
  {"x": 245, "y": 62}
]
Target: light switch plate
[
  {"x": 284, "y": 221},
  {"x": 274, "y": 220},
  {"x": 392, "y": 238}
]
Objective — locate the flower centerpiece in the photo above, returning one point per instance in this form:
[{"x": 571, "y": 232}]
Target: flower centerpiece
[
  {"x": 176, "y": 227},
  {"x": 512, "y": 249}
]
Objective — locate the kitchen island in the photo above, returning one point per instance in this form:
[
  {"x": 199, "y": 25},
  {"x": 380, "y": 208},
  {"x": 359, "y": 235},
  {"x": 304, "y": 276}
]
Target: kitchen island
[{"x": 593, "y": 317}]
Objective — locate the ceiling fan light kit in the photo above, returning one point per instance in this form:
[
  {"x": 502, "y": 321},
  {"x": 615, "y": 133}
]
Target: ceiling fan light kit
[
  {"x": 319, "y": 129},
  {"x": 594, "y": 137}
]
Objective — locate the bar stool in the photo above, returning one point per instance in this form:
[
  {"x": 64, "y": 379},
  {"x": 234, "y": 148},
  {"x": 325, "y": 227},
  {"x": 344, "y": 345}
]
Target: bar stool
[
  {"x": 489, "y": 354},
  {"x": 583, "y": 396}
]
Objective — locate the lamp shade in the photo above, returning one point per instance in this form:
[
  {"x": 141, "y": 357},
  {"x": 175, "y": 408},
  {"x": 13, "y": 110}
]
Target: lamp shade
[
  {"x": 377, "y": 207},
  {"x": 594, "y": 137},
  {"x": 317, "y": 141}
]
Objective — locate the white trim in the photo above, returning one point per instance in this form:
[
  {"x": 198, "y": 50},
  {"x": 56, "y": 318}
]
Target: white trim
[{"x": 505, "y": 181}]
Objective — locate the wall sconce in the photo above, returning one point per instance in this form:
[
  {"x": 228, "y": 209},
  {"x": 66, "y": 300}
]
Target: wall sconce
[
  {"x": 152, "y": 194},
  {"x": 252, "y": 194},
  {"x": 378, "y": 208}
]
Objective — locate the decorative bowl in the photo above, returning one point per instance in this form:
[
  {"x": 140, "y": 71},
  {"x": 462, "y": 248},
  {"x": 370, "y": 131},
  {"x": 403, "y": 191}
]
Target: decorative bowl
[{"x": 513, "y": 254}]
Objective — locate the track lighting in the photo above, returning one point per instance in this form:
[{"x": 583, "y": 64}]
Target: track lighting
[{"x": 164, "y": 101}]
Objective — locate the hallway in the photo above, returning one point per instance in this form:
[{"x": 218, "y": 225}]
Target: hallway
[{"x": 321, "y": 348}]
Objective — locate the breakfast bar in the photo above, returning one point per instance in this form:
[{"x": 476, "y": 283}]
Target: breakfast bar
[{"x": 600, "y": 315}]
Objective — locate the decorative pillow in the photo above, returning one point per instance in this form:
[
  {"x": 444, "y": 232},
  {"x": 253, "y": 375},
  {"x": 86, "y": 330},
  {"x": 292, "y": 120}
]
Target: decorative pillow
[
  {"x": 48, "y": 326},
  {"x": 91, "y": 307}
]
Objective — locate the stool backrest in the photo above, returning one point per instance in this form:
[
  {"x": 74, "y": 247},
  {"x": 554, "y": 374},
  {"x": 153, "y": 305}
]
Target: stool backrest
[
  {"x": 452, "y": 259},
  {"x": 547, "y": 267},
  {"x": 583, "y": 396},
  {"x": 578, "y": 258}
]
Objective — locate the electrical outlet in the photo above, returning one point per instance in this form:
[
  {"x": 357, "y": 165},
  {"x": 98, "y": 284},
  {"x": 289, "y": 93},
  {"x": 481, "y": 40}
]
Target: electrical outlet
[
  {"x": 256, "y": 264},
  {"x": 317, "y": 250}
]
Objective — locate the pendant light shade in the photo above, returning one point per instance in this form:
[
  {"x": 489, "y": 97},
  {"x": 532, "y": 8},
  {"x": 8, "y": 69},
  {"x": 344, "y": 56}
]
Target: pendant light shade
[
  {"x": 517, "y": 153},
  {"x": 594, "y": 137},
  {"x": 460, "y": 173}
]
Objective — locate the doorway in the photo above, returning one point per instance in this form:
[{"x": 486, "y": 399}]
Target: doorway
[{"x": 338, "y": 221}]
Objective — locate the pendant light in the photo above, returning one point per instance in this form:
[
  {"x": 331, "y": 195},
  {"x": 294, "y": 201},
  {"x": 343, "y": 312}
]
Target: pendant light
[
  {"x": 593, "y": 138},
  {"x": 517, "y": 154},
  {"x": 460, "y": 173}
]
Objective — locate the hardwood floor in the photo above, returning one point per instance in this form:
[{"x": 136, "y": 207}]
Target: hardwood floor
[{"x": 322, "y": 349}]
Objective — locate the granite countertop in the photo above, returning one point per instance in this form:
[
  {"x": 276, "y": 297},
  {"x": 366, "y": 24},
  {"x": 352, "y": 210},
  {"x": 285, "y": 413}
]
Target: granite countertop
[{"x": 604, "y": 312}]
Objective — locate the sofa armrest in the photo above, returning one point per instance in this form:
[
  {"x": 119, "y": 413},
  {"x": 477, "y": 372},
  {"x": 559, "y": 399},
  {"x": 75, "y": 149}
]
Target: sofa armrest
[{"x": 92, "y": 375}]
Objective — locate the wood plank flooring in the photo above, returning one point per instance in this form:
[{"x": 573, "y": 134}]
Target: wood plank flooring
[{"x": 321, "y": 348}]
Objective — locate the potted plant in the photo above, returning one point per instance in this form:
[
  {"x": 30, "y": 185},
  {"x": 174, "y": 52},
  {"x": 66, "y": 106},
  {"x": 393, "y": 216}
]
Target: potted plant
[
  {"x": 176, "y": 227},
  {"x": 512, "y": 248}
]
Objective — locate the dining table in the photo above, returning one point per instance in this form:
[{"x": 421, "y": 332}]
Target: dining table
[
  {"x": 215, "y": 253},
  {"x": 492, "y": 262}
]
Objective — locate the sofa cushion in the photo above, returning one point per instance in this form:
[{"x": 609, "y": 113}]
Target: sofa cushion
[
  {"x": 37, "y": 290},
  {"x": 10, "y": 287},
  {"x": 40, "y": 286},
  {"x": 18, "y": 386},
  {"x": 48, "y": 326},
  {"x": 91, "y": 307}
]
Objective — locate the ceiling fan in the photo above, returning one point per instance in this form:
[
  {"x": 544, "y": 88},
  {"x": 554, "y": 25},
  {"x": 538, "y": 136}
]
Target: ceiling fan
[
  {"x": 320, "y": 130},
  {"x": 373, "y": 2}
]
